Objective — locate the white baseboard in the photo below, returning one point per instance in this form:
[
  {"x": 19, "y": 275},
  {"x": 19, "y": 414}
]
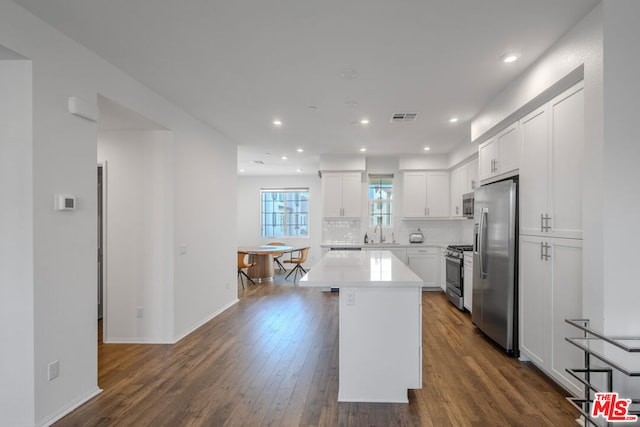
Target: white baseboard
[
  {"x": 198, "y": 325},
  {"x": 70, "y": 408}
]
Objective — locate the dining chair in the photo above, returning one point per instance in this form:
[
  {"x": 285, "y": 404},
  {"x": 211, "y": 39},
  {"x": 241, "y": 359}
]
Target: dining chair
[
  {"x": 243, "y": 263},
  {"x": 301, "y": 258},
  {"x": 277, "y": 255}
]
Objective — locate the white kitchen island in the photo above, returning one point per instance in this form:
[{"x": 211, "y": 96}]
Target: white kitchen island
[{"x": 380, "y": 334}]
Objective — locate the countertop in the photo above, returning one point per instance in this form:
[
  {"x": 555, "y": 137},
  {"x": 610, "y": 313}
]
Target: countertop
[
  {"x": 371, "y": 268},
  {"x": 347, "y": 245}
]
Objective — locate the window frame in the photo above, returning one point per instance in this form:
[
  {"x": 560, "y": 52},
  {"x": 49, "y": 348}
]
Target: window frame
[
  {"x": 373, "y": 219},
  {"x": 284, "y": 224}
]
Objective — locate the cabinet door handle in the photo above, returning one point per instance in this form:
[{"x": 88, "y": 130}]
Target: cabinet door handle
[
  {"x": 457, "y": 208},
  {"x": 425, "y": 211},
  {"x": 544, "y": 251},
  {"x": 547, "y": 218},
  {"x": 544, "y": 222}
]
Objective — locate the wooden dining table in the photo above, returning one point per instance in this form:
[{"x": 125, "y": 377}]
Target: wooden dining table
[{"x": 262, "y": 256}]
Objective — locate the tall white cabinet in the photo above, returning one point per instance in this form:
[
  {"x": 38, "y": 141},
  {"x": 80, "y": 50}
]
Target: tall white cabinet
[
  {"x": 550, "y": 262},
  {"x": 551, "y": 176},
  {"x": 342, "y": 195}
]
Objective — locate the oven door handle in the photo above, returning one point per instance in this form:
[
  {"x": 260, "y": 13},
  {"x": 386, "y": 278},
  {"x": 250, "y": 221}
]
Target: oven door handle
[{"x": 454, "y": 259}]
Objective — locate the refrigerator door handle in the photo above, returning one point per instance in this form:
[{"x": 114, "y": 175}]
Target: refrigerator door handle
[{"x": 482, "y": 240}]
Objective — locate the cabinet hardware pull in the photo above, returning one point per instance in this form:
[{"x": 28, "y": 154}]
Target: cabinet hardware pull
[
  {"x": 546, "y": 251},
  {"x": 541, "y": 251},
  {"x": 544, "y": 222},
  {"x": 457, "y": 208}
]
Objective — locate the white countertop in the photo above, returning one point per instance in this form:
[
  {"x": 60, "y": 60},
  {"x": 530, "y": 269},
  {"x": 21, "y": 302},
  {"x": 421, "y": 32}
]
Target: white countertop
[
  {"x": 375, "y": 268},
  {"x": 369, "y": 246}
]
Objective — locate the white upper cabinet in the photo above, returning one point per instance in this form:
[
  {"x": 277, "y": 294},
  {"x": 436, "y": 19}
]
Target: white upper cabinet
[
  {"x": 500, "y": 156},
  {"x": 425, "y": 194},
  {"x": 472, "y": 176},
  {"x": 414, "y": 200},
  {"x": 551, "y": 177},
  {"x": 342, "y": 195},
  {"x": 458, "y": 183},
  {"x": 464, "y": 179},
  {"x": 438, "y": 194}
]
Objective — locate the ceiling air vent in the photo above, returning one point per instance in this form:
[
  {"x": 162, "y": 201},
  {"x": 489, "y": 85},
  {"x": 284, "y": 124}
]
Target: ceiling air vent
[
  {"x": 258, "y": 162},
  {"x": 404, "y": 117}
]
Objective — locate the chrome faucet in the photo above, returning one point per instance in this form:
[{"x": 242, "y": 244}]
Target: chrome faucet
[{"x": 381, "y": 236}]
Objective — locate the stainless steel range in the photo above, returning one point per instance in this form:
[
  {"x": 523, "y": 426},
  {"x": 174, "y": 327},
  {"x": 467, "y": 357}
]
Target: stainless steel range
[{"x": 455, "y": 274}]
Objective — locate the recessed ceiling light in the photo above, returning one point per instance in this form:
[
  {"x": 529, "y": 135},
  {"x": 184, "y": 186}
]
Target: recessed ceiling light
[
  {"x": 453, "y": 120},
  {"x": 351, "y": 104},
  {"x": 284, "y": 157},
  {"x": 427, "y": 148},
  {"x": 241, "y": 170},
  {"x": 300, "y": 150},
  {"x": 510, "y": 57},
  {"x": 277, "y": 122},
  {"x": 348, "y": 74},
  {"x": 363, "y": 149},
  {"x": 364, "y": 121},
  {"x": 298, "y": 170}
]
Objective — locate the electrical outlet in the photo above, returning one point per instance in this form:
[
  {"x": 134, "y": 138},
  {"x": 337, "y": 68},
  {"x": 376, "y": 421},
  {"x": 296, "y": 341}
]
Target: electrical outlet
[
  {"x": 53, "y": 370},
  {"x": 351, "y": 296},
  {"x": 140, "y": 312}
]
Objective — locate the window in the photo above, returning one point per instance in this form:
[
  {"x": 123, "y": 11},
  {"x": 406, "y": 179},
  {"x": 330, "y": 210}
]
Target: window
[
  {"x": 381, "y": 200},
  {"x": 284, "y": 212}
]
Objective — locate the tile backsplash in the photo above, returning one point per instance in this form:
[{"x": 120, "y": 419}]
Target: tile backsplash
[{"x": 435, "y": 231}]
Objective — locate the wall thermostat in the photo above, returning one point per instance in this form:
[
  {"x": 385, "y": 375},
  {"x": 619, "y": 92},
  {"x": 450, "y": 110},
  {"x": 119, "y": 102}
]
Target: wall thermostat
[{"x": 65, "y": 203}]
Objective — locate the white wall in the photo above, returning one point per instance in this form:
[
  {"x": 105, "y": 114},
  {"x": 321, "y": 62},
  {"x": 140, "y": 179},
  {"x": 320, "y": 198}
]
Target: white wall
[
  {"x": 64, "y": 244},
  {"x": 138, "y": 235},
  {"x": 249, "y": 211},
  {"x": 621, "y": 173},
  {"x": 205, "y": 218},
  {"x": 582, "y": 45},
  {"x": 17, "y": 400}
]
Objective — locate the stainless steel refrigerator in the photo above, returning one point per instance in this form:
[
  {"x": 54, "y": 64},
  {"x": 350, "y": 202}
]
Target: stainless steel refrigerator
[{"x": 494, "y": 306}]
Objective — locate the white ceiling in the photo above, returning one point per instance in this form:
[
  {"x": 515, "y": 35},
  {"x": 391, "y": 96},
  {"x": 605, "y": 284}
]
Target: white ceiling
[{"x": 238, "y": 65}]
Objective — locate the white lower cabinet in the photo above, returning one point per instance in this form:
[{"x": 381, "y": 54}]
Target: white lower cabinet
[
  {"x": 550, "y": 291},
  {"x": 401, "y": 253},
  {"x": 467, "y": 290},
  {"x": 424, "y": 262}
]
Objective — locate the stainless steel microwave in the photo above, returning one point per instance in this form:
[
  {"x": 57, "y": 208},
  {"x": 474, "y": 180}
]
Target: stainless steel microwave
[{"x": 467, "y": 205}]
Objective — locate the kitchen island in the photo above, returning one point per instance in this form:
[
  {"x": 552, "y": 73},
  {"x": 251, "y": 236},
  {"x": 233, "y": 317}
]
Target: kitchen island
[{"x": 380, "y": 329}]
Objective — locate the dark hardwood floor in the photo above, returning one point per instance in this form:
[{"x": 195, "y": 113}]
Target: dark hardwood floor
[{"x": 272, "y": 359}]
